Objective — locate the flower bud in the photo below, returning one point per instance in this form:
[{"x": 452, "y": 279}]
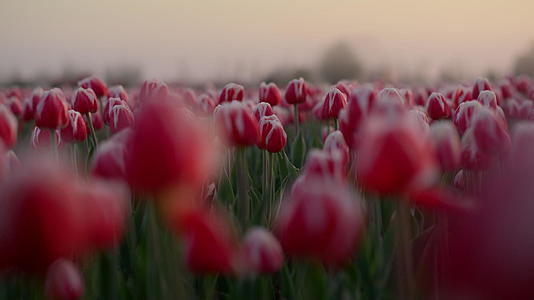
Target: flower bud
[
  {"x": 96, "y": 84},
  {"x": 464, "y": 115},
  {"x": 152, "y": 89},
  {"x": 260, "y": 253},
  {"x": 447, "y": 145},
  {"x": 30, "y": 104},
  {"x": 335, "y": 142},
  {"x": 323, "y": 164},
  {"x": 262, "y": 109},
  {"x": 437, "y": 107},
  {"x": 118, "y": 91},
  {"x": 321, "y": 222},
  {"x": 273, "y": 137},
  {"x": 296, "y": 91},
  {"x": 488, "y": 99},
  {"x": 481, "y": 84},
  {"x": 121, "y": 117},
  {"x": 490, "y": 132},
  {"x": 231, "y": 92},
  {"x": 8, "y": 127},
  {"x": 41, "y": 139},
  {"x": 333, "y": 102},
  {"x": 460, "y": 96},
  {"x": 75, "y": 131},
  {"x": 240, "y": 126},
  {"x": 108, "y": 161},
  {"x": 270, "y": 93},
  {"x": 14, "y": 105},
  {"x": 108, "y": 107},
  {"x": 64, "y": 281},
  {"x": 84, "y": 101},
  {"x": 51, "y": 112}
]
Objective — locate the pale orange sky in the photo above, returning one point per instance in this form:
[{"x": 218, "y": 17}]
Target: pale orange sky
[{"x": 203, "y": 39}]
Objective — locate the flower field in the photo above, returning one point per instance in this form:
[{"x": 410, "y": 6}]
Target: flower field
[{"x": 304, "y": 191}]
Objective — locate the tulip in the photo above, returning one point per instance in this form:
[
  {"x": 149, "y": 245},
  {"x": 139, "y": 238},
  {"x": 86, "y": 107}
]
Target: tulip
[
  {"x": 396, "y": 155},
  {"x": 75, "y": 131},
  {"x": 472, "y": 157},
  {"x": 481, "y": 84},
  {"x": 344, "y": 88},
  {"x": 14, "y": 105},
  {"x": 360, "y": 102},
  {"x": 263, "y": 109},
  {"x": 270, "y": 93},
  {"x": 420, "y": 96},
  {"x": 206, "y": 104},
  {"x": 108, "y": 161},
  {"x": 272, "y": 134},
  {"x": 323, "y": 164},
  {"x": 96, "y": 84},
  {"x": 84, "y": 101},
  {"x": 98, "y": 122},
  {"x": 490, "y": 132},
  {"x": 231, "y": 92},
  {"x": 8, "y": 127},
  {"x": 108, "y": 107},
  {"x": 260, "y": 253},
  {"x": 447, "y": 145},
  {"x": 240, "y": 126},
  {"x": 167, "y": 147},
  {"x": 408, "y": 97},
  {"x": 118, "y": 91},
  {"x": 335, "y": 142},
  {"x": 121, "y": 117},
  {"x": 437, "y": 107},
  {"x": 460, "y": 96},
  {"x": 464, "y": 114},
  {"x": 321, "y": 222},
  {"x": 296, "y": 91},
  {"x": 525, "y": 110},
  {"x": 153, "y": 89},
  {"x": 42, "y": 139},
  {"x": 488, "y": 99},
  {"x": 209, "y": 243},
  {"x": 64, "y": 281},
  {"x": 51, "y": 112},
  {"x": 333, "y": 102},
  {"x": 419, "y": 114},
  {"x": 29, "y": 105}
]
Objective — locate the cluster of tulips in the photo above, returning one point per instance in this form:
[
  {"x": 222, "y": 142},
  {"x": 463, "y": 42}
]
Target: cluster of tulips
[{"x": 349, "y": 191}]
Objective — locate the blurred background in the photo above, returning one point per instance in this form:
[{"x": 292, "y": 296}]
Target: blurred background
[{"x": 191, "y": 42}]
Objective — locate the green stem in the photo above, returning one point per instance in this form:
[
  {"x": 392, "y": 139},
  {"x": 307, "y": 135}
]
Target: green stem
[
  {"x": 406, "y": 283},
  {"x": 296, "y": 118},
  {"x": 242, "y": 187},
  {"x": 92, "y": 130}
]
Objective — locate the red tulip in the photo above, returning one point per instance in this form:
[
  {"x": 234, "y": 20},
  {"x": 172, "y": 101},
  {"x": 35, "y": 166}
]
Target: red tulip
[
  {"x": 447, "y": 145},
  {"x": 460, "y": 96},
  {"x": 64, "y": 281},
  {"x": 262, "y": 109},
  {"x": 260, "y": 253},
  {"x": 105, "y": 208},
  {"x": 40, "y": 210},
  {"x": 344, "y": 88},
  {"x": 96, "y": 84},
  {"x": 481, "y": 84},
  {"x": 333, "y": 102},
  {"x": 75, "y": 131},
  {"x": 507, "y": 89},
  {"x": 419, "y": 114},
  {"x": 273, "y": 137},
  {"x": 488, "y": 99},
  {"x": 108, "y": 107},
  {"x": 270, "y": 93},
  {"x": 51, "y": 112},
  {"x": 420, "y": 96},
  {"x": 41, "y": 139},
  {"x": 360, "y": 102},
  {"x": 168, "y": 147},
  {"x": 153, "y": 89},
  {"x": 511, "y": 108},
  {"x": 98, "y": 123},
  {"x": 472, "y": 157},
  {"x": 464, "y": 115},
  {"x": 408, "y": 97},
  {"x": 335, "y": 142},
  {"x": 14, "y": 105},
  {"x": 206, "y": 103},
  {"x": 437, "y": 107},
  {"x": 322, "y": 222},
  {"x": 296, "y": 91},
  {"x": 209, "y": 241},
  {"x": 108, "y": 161},
  {"x": 323, "y": 164},
  {"x": 30, "y": 104},
  {"x": 85, "y": 101},
  {"x": 490, "y": 132},
  {"x": 231, "y": 92},
  {"x": 240, "y": 126},
  {"x": 118, "y": 91},
  {"x": 121, "y": 117},
  {"x": 396, "y": 156},
  {"x": 8, "y": 127}
]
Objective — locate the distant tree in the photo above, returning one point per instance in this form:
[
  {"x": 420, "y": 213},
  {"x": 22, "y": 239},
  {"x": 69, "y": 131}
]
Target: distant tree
[
  {"x": 524, "y": 64},
  {"x": 339, "y": 62}
]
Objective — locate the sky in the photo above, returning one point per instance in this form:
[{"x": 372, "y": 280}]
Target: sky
[{"x": 212, "y": 39}]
